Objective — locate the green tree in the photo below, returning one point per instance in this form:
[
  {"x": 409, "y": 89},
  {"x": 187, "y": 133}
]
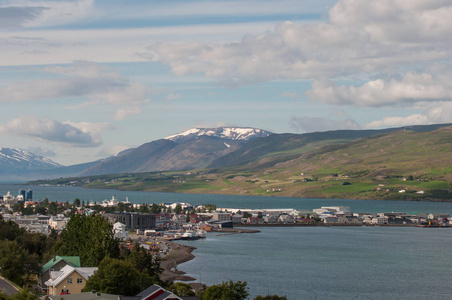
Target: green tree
[
  {"x": 16, "y": 263},
  {"x": 227, "y": 291},
  {"x": 155, "y": 208},
  {"x": 178, "y": 209},
  {"x": 90, "y": 237},
  {"x": 9, "y": 230},
  {"x": 77, "y": 202},
  {"x": 181, "y": 289},
  {"x": 144, "y": 261},
  {"x": 115, "y": 276},
  {"x": 52, "y": 208}
]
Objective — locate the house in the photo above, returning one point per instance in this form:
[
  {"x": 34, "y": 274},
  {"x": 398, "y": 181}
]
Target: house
[
  {"x": 286, "y": 219},
  {"x": 156, "y": 292},
  {"x": 434, "y": 216},
  {"x": 69, "y": 280},
  {"x": 380, "y": 220},
  {"x": 269, "y": 219},
  {"x": 56, "y": 264},
  {"x": 350, "y": 220},
  {"x": 58, "y": 222},
  {"x": 330, "y": 220},
  {"x": 92, "y": 296}
]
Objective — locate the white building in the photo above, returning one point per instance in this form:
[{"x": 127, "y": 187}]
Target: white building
[
  {"x": 58, "y": 222},
  {"x": 120, "y": 231}
]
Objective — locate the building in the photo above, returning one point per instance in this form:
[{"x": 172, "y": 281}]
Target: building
[
  {"x": 120, "y": 231},
  {"x": 220, "y": 216},
  {"x": 58, "y": 222},
  {"x": 69, "y": 280},
  {"x": 56, "y": 264},
  {"x": 156, "y": 292},
  {"x": 133, "y": 220}
]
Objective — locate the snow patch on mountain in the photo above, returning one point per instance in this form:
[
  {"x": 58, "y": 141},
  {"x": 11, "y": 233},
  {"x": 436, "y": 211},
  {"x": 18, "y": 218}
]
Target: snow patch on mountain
[
  {"x": 24, "y": 160},
  {"x": 227, "y": 133}
]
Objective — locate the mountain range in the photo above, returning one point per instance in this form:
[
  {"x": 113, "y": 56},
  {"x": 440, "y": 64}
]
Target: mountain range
[{"x": 198, "y": 148}]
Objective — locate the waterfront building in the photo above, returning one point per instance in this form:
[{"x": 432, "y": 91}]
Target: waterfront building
[
  {"x": 132, "y": 220},
  {"x": 220, "y": 216},
  {"x": 29, "y": 195}
]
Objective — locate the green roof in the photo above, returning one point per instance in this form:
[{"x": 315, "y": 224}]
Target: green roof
[{"x": 70, "y": 260}]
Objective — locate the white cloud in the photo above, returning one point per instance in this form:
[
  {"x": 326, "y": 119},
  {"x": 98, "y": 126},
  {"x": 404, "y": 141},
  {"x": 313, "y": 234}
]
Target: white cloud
[
  {"x": 435, "y": 114},
  {"x": 14, "y": 16},
  {"x": 431, "y": 85},
  {"x": 124, "y": 112},
  {"x": 360, "y": 36},
  {"x": 20, "y": 13},
  {"x": 94, "y": 82},
  {"x": 69, "y": 134},
  {"x": 64, "y": 46},
  {"x": 312, "y": 124}
]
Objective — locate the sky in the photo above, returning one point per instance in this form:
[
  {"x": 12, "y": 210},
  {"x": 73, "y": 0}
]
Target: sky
[{"x": 83, "y": 80}]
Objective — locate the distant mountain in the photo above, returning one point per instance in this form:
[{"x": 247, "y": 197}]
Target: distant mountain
[
  {"x": 276, "y": 148},
  {"x": 166, "y": 155},
  {"x": 18, "y": 160},
  {"x": 226, "y": 133},
  {"x": 236, "y": 148}
]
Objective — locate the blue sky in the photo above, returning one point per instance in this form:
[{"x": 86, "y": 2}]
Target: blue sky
[{"x": 82, "y": 80}]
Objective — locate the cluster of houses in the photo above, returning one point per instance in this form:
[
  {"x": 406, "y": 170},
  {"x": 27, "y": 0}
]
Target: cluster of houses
[
  {"x": 342, "y": 214},
  {"x": 62, "y": 277}
]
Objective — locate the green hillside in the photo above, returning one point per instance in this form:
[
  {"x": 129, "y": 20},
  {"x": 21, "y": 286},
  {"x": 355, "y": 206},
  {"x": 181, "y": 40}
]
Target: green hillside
[{"x": 397, "y": 165}]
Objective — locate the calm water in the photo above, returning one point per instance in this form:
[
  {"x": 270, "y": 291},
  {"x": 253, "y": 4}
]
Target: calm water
[
  {"x": 330, "y": 262},
  {"x": 63, "y": 194},
  {"x": 308, "y": 262}
]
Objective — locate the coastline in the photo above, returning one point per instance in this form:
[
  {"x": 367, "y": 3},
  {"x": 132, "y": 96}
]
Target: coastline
[
  {"x": 179, "y": 255},
  {"x": 183, "y": 253}
]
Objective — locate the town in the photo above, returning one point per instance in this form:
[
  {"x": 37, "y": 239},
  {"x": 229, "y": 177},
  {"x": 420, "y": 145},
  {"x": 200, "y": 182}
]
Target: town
[{"x": 156, "y": 227}]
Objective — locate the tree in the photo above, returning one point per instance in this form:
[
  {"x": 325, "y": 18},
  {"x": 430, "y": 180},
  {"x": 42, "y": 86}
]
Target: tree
[
  {"x": 16, "y": 263},
  {"x": 178, "y": 209},
  {"x": 227, "y": 291},
  {"x": 144, "y": 261},
  {"x": 77, "y": 202},
  {"x": 115, "y": 276},
  {"x": 181, "y": 289},
  {"x": 90, "y": 237}
]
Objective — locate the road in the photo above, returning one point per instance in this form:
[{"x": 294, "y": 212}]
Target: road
[{"x": 7, "y": 288}]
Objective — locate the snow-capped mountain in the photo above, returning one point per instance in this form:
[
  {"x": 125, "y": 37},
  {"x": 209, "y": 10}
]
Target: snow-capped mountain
[
  {"x": 227, "y": 133},
  {"x": 12, "y": 160}
]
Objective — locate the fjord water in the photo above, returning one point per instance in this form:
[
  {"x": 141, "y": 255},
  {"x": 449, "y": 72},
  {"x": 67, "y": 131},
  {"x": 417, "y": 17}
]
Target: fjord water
[
  {"x": 330, "y": 262},
  {"x": 64, "y": 194}
]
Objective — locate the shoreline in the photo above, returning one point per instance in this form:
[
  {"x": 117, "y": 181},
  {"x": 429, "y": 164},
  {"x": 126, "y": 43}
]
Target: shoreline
[
  {"x": 183, "y": 253},
  {"x": 179, "y": 255}
]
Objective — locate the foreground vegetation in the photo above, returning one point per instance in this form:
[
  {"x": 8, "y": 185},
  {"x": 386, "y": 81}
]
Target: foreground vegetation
[{"x": 401, "y": 165}]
